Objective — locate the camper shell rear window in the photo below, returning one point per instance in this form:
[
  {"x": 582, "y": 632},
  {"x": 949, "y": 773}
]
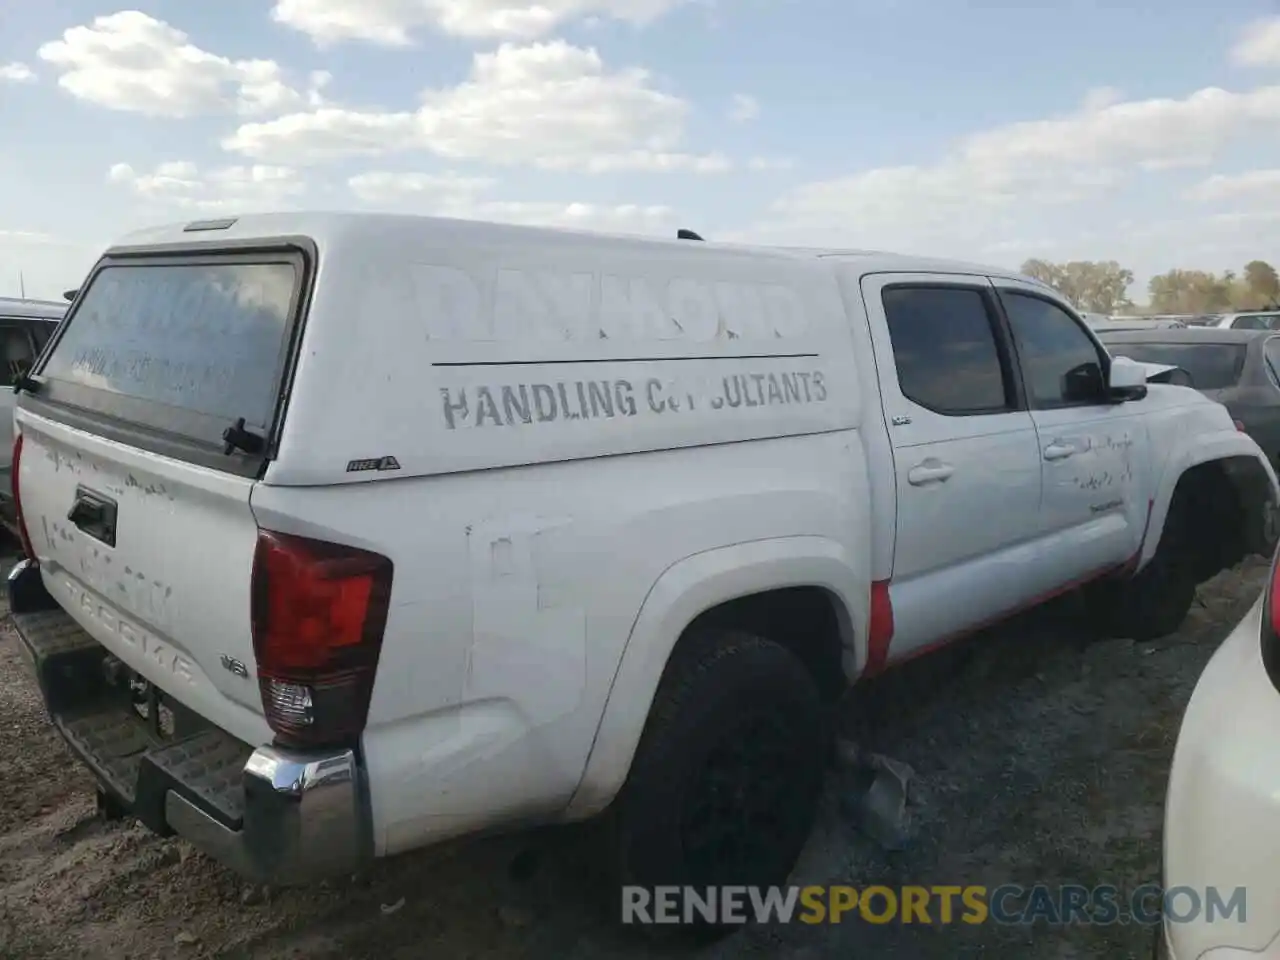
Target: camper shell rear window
[{"x": 168, "y": 352}]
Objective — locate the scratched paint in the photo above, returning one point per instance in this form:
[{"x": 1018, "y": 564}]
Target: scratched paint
[
  {"x": 123, "y": 586},
  {"x": 127, "y": 630},
  {"x": 1103, "y": 462}
]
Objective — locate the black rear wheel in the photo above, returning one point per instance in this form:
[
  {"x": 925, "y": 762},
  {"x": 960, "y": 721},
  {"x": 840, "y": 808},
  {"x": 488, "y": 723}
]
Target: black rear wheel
[{"x": 725, "y": 783}]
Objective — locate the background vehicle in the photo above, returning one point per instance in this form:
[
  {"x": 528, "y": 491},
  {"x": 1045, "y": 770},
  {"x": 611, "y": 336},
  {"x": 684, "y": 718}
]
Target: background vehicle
[
  {"x": 1101, "y": 322},
  {"x": 578, "y": 524},
  {"x": 1238, "y": 368},
  {"x": 25, "y": 327},
  {"x": 1253, "y": 320},
  {"x": 1222, "y": 808}
]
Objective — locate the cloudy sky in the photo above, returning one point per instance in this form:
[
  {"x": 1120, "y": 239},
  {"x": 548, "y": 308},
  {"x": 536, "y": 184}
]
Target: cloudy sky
[{"x": 1141, "y": 131}]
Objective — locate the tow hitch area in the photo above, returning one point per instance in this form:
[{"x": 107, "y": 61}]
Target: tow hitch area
[
  {"x": 140, "y": 744},
  {"x": 145, "y": 699}
]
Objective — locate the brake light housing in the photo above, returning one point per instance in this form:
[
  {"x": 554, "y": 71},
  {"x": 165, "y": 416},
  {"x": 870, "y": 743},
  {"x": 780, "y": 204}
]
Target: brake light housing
[
  {"x": 16, "y": 493},
  {"x": 318, "y": 611}
]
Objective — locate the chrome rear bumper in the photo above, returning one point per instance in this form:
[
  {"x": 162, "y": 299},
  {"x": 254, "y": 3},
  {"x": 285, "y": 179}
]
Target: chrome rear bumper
[{"x": 274, "y": 815}]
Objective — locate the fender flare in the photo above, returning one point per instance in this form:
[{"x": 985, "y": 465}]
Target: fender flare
[
  {"x": 687, "y": 589},
  {"x": 1219, "y": 445}
]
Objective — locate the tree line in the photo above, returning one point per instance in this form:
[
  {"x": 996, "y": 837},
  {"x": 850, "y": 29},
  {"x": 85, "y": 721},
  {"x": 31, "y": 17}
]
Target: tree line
[{"x": 1102, "y": 286}]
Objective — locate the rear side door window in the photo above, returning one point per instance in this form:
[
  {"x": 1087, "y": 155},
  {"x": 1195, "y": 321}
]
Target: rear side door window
[
  {"x": 945, "y": 349},
  {"x": 1061, "y": 364},
  {"x": 17, "y": 353},
  {"x": 1258, "y": 321},
  {"x": 40, "y": 333}
]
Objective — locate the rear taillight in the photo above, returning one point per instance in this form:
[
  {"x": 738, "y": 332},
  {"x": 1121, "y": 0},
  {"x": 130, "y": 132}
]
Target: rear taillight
[
  {"x": 1239, "y": 425},
  {"x": 19, "y": 522},
  {"x": 318, "y": 612}
]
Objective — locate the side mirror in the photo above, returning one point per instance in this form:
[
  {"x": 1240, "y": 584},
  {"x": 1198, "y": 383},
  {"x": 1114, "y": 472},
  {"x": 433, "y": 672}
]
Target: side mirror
[
  {"x": 1084, "y": 384},
  {"x": 1126, "y": 380}
]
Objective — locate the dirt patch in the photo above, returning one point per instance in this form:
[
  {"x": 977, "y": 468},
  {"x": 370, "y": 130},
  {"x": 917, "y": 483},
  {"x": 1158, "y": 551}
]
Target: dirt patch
[{"x": 1041, "y": 756}]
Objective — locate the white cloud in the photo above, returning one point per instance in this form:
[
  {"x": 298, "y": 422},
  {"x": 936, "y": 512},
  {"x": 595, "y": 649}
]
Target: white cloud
[
  {"x": 991, "y": 180},
  {"x": 16, "y": 73},
  {"x": 453, "y": 195},
  {"x": 26, "y": 236},
  {"x": 1259, "y": 44},
  {"x": 770, "y": 163},
  {"x": 132, "y": 62},
  {"x": 385, "y": 188},
  {"x": 1198, "y": 241},
  {"x": 743, "y": 109},
  {"x": 181, "y": 183},
  {"x": 393, "y": 22},
  {"x": 1253, "y": 186},
  {"x": 552, "y": 105}
]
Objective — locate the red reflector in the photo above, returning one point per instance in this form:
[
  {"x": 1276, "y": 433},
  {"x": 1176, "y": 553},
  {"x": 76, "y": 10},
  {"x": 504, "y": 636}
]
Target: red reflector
[
  {"x": 318, "y": 612},
  {"x": 880, "y": 627},
  {"x": 1273, "y": 597},
  {"x": 1239, "y": 425},
  {"x": 15, "y": 491}
]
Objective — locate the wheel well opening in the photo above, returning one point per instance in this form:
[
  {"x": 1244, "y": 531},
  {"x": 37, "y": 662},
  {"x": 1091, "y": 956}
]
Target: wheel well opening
[
  {"x": 1224, "y": 506},
  {"x": 809, "y": 621}
]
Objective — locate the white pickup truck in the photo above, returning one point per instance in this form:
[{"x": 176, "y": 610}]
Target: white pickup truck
[{"x": 347, "y": 534}]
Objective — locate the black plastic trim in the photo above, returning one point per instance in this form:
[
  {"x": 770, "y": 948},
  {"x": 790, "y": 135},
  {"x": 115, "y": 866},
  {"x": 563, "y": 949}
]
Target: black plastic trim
[{"x": 26, "y": 590}]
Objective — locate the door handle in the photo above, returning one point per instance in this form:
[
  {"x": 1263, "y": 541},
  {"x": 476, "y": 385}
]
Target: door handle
[
  {"x": 1058, "y": 450},
  {"x": 94, "y": 515},
  {"x": 930, "y": 471}
]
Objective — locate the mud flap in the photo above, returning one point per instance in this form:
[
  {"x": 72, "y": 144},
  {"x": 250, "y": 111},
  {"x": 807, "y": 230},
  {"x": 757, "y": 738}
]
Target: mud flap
[{"x": 878, "y": 797}]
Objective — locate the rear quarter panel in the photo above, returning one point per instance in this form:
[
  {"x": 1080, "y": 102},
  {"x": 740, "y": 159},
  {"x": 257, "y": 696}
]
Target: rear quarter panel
[{"x": 517, "y": 590}]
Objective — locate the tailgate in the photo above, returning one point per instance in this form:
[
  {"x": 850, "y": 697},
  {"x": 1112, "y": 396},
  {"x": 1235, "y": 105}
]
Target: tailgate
[
  {"x": 137, "y": 508},
  {"x": 170, "y": 598}
]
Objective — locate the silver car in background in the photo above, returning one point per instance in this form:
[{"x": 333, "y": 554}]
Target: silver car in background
[{"x": 25, "y": 327}]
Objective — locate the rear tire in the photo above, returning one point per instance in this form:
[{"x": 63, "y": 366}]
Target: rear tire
[{"x": 725, "y": 783}]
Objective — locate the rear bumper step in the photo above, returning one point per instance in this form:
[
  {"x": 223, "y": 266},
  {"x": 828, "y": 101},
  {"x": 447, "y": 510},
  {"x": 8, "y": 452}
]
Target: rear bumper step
[{"x": 275, "y": 816}]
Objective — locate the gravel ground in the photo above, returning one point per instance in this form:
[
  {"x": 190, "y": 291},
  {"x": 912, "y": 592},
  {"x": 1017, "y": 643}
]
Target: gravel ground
[{"x": 1040, "y": 756}]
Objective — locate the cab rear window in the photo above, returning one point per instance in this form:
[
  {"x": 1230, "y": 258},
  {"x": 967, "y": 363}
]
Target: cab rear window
[{"x": 181, "y": 346}]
